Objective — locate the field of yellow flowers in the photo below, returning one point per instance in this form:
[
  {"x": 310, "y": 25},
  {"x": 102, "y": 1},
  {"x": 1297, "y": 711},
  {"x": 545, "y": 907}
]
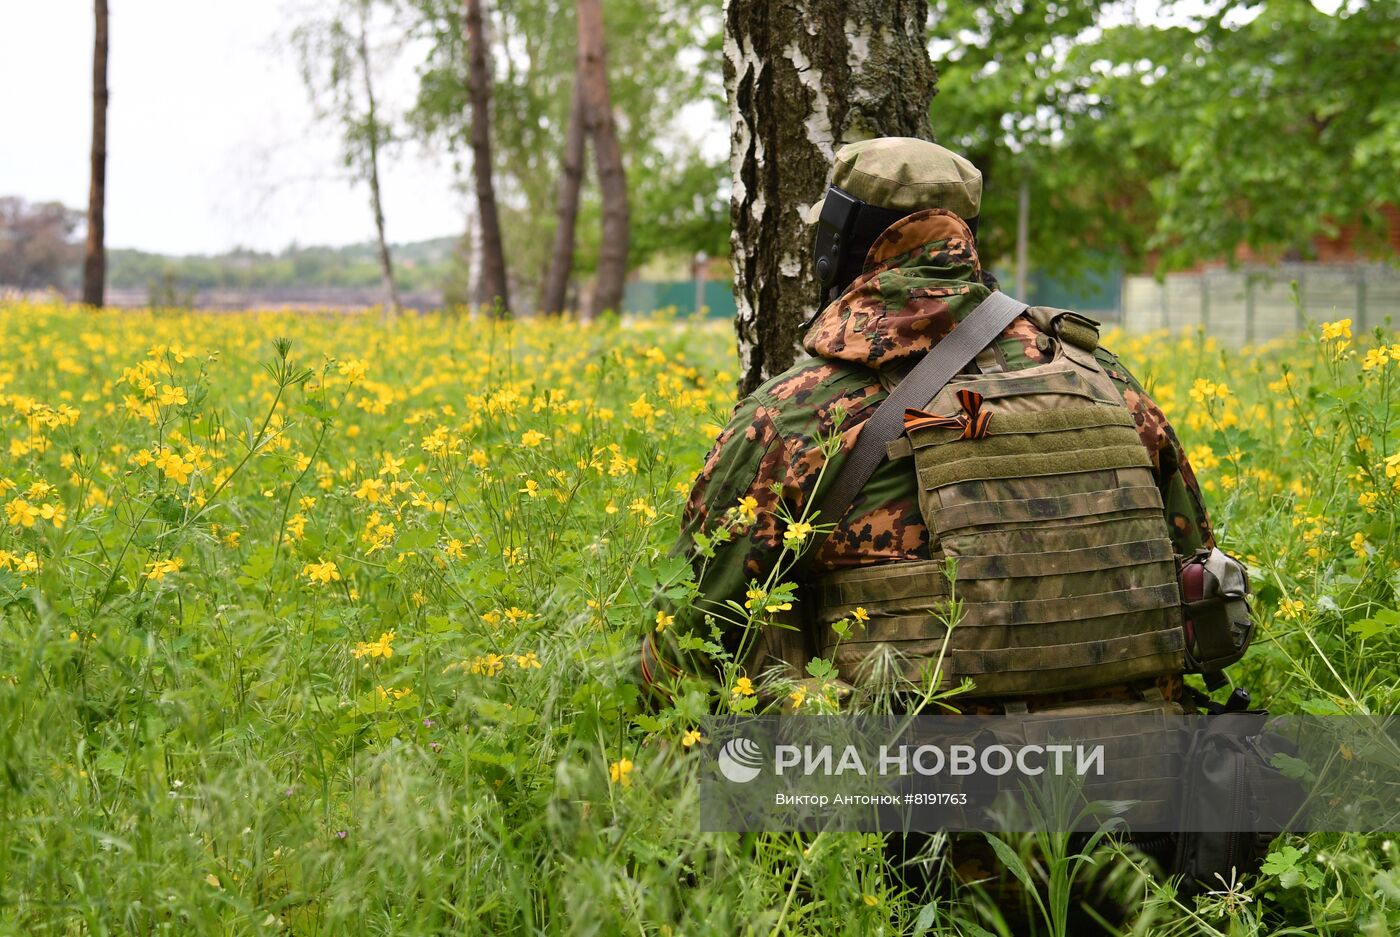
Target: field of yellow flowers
[{"x": 316, "y": 625}]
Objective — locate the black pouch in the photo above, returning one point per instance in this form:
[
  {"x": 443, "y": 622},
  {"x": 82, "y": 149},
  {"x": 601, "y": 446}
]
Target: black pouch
[
  {"x": 1236, "y": 801},
  {"x": 1215, "y": 612}
]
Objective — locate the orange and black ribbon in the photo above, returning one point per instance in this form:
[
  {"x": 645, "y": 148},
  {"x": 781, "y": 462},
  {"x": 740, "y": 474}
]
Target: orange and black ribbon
[{"x": 974, "y": 421}]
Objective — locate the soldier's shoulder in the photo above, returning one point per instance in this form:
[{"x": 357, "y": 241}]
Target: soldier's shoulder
[
  {"x": 1113, "y": 366},
  {"x": 811, "y": 383}
]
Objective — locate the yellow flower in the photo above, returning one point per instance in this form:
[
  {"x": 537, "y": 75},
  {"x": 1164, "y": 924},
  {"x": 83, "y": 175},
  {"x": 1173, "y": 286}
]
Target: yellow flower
[
  {"x": 743, "y": 687},
  {"x": 797, "y": 697},
  {"x": 487, "y": 665},
  {"x": 1290, "y": 609},
  {"x": 532, "y": 488},
  {"x": 663, "y": 621},
  {"x": 1375, "y": 358},
  {"x": 1335, "y": 330},
  {"x": 748, "y": 510},
  {"x": 384, "y": 647},
  {"x": 796, "y": 533},
  {"x": 1358, "y": 545},
  {"x": 354, "y": 369},
  {"x": 527, "y": 661},
  {"x": 620, "y": 772},
  {"x": 172, "y": 395},
  {"x": 691, "y": 737},
  {"x": 174, "y": 467},
  {"x": 371, "y": 490},
  {"x": 754, "y": 597},
  {"x": 641, "y": 409},
  {"x": 157, "y": 570},
  {"x": 326, "y": 571},
  {"x": 21, "y": 513},
  {"x": 860, "y": 614},
  {"x": 391, "y": 466},
  {"x": 455, "y": 549},
  {"x": 533, "y": 438}
]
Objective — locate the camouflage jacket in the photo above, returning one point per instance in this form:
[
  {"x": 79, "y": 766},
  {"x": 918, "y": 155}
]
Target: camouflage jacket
[{"x": 920, "y": 278}]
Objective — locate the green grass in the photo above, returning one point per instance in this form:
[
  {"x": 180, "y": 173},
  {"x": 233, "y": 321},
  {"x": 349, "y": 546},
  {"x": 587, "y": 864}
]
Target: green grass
[{"x": 201, "y": 730}]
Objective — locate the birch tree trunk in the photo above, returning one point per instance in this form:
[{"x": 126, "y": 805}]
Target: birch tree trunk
[
  {"x": 611, "y": 277},
  {"x": 95, "y": 252},
  {"x": 492, "y": 282},
  {"x": 372, "y": 142},
  {"x": 803, "y": 78},
  {"x": 561, "y": 255}
]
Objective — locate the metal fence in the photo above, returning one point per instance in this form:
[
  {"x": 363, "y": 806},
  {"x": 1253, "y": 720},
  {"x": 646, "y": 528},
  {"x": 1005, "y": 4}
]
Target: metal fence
[{"x": 1247, "y": 306}]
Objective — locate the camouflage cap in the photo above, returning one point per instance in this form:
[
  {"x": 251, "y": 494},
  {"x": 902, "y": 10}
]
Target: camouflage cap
[{"x": 906, "y": 173}]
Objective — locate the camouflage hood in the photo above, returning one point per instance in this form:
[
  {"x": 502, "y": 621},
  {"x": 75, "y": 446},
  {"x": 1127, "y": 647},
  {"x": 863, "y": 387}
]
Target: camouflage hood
[{"x": 921, "y": 278}]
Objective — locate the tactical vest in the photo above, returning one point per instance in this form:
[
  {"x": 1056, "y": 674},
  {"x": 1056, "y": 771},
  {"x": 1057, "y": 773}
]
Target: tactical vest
[{"x": 1050, "y": 552}]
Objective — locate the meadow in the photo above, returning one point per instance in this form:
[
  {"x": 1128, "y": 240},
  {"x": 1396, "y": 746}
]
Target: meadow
[{"x": 317, "y": 625}]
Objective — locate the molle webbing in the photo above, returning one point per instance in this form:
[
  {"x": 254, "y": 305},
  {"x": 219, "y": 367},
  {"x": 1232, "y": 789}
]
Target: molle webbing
[
  {"x": 1022, "y": 445},
  {"x": 1085, "y": 504},
  {"x": 1053, "y": 532},
  {"x": 1086, "y": 559}
]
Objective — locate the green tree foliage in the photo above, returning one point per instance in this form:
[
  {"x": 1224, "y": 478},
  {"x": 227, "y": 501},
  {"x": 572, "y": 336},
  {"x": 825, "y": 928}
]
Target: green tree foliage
[
  {"x": 1177, "y": 138},
  {"x": 663, "y": 65},
  {"x": 338, "y": 70},
  {"x": 1277, "y": 121},
  {"x": 421, "y": 266},
  {"x": 1010, "y": 105},
  {"x": 37, "y": 249}
]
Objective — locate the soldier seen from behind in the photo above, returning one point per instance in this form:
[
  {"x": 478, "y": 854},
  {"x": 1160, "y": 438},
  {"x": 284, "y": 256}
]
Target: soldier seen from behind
[{"x": 1040, "y": 484}]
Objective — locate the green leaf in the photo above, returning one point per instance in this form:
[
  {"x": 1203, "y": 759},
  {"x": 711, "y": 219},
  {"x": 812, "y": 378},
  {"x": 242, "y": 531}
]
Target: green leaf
[
  {"x": 1367, "y": 628},
  {"x": 927, "y": 915},
  {"x": 417, "y": 538},
  {"x": 1013, "y": 863}
]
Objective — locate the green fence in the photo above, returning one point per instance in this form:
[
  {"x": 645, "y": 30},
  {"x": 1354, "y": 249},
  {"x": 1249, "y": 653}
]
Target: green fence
[
  {"x": 647, "y": 297},
  {"x": 1094, "y": 292}
]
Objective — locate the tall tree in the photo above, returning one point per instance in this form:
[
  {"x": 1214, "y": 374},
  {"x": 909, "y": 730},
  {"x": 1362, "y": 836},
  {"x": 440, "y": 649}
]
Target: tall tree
[
  {"x": 611, "y": 276},
  {"x": 561, "y": 256},
  {"x": 659, "y": 58},
  {"x": 493, "y": 288},
  {"x": 37, "y": 249},
  {"x": 338, "y": 69},
  {"x": 803, "y": 78},
  {"x": 95, "y": 257},
  {"x": 373, "y": 132}
]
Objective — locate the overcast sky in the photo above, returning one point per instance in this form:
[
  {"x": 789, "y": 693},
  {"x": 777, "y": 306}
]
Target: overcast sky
[{"x": 211, "y": 142}]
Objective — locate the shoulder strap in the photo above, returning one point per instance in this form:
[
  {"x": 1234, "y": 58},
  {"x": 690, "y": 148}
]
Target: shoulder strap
[{"x": 952, "y": 353}]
